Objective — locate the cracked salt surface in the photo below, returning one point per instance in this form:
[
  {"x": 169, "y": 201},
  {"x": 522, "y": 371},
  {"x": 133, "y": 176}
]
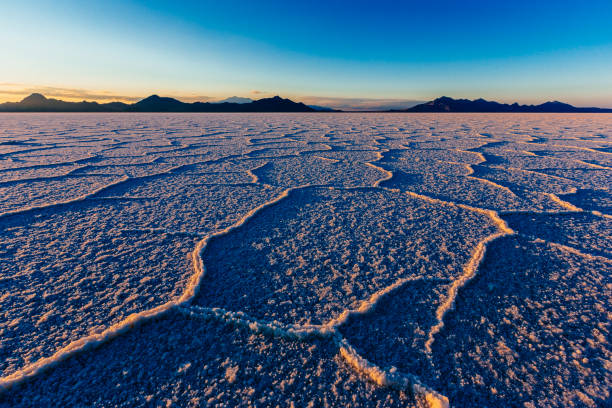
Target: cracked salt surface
[
  {"x": 321, "y": 251},
  {"x": 305, "y": 260}
]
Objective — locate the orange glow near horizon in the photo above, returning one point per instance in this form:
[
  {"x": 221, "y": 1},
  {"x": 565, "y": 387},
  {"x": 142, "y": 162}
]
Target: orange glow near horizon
[{"x": 10, "y": 92}]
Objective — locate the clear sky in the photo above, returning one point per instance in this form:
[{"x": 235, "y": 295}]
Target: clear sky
[{"x": 340, "y": 53}]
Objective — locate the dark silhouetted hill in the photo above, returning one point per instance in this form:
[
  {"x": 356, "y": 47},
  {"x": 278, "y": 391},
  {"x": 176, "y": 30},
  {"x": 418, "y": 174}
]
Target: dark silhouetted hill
[
  {"x": 446, "y": 104},
  {"x": 276, "y": 104},
  {"x": 154, "y": 103}
]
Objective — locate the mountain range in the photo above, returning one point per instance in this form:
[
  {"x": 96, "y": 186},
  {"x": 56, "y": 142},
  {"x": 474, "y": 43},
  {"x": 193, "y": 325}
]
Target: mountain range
[
  {"x": 154, "y": 103},
  {"x": 38, "y": 103},
  {"x": 446, "y": 104}
]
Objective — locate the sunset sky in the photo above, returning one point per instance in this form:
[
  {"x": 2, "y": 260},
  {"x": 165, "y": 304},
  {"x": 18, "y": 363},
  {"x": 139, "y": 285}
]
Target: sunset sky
[{"x": 335, "y": 53}]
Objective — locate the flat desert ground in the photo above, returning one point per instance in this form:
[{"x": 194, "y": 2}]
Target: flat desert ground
[{"x": 305, "y": 260}]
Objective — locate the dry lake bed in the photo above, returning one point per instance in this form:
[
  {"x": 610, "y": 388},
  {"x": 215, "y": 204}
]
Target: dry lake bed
[{"x": 305, "y": 260}]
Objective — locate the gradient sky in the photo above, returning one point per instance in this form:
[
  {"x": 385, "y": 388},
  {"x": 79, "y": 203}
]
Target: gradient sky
[{"x": 338, "y": 53}]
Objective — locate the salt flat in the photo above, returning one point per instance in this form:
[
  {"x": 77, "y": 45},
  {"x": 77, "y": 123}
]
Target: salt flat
[{"x": 305, "y": 260}]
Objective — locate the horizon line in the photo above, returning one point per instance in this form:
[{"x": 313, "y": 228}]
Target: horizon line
[
  {"x": 136, "y": 99},
  {"x": 438, "y": 105},
  {"x": 357, "y": 103}
]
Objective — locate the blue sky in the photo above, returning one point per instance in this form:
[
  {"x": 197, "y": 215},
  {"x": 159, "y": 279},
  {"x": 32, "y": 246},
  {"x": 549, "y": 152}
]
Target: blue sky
[{"x": 341, "y": 53}]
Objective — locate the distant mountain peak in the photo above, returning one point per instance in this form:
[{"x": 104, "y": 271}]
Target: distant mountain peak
[
  {"x": 156, "y": 103},
  {"x": 34, "y": 99},
  {"x": 156, "y": 98},
  {"x": 235, "y": 99},
  {"x": 555, "y": 103}
]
